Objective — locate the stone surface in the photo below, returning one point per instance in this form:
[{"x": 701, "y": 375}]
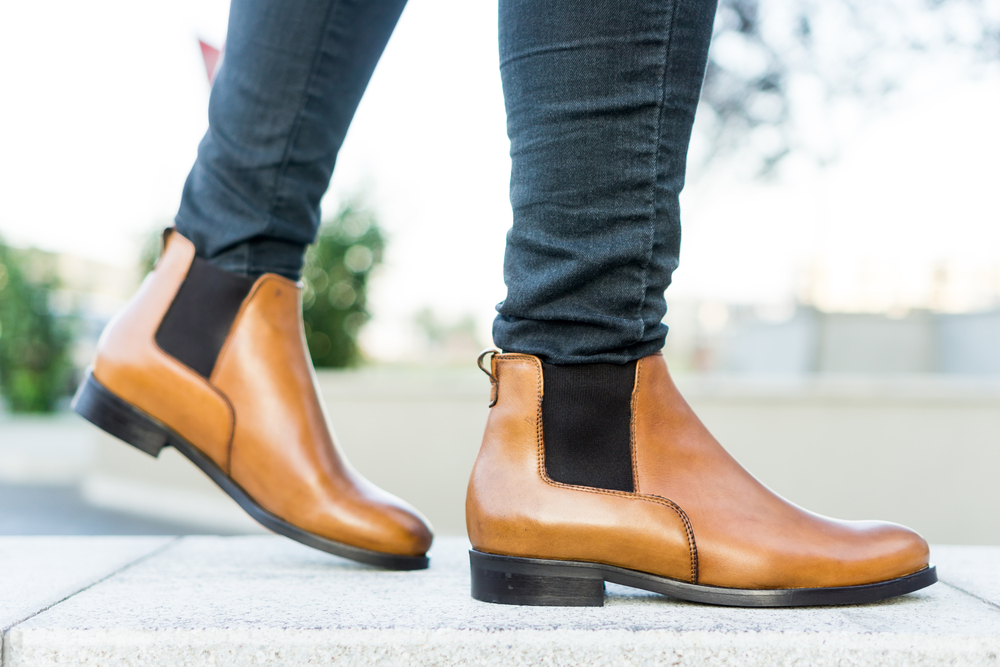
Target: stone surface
[
  {"x": 269, "y": 601},
  {"x": 975, "y": 570},
  {"x": 37, "y": 572}
]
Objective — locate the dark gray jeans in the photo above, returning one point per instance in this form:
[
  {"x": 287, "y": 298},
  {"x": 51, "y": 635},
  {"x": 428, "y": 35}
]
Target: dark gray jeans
[{"x": 600, "y": 98}]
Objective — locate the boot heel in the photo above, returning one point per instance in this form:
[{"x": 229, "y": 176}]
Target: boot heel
[
  {"x": 113, "y": 415},
  {"x": 532, "y": 581}
]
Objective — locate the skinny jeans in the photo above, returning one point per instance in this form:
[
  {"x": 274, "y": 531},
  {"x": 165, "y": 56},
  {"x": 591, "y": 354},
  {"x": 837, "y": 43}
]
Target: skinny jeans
[{"x": 600, "y": 98}]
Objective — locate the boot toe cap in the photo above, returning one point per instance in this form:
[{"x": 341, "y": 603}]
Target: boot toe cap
[
  {"x": 899, "y": 551},
  {"x": 405, "y": 531},
  {"x": 376, "y": 520}
]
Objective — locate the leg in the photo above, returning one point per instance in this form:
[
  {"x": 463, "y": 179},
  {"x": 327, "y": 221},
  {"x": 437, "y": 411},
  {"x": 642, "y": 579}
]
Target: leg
[
  {"x": 593, "y": 468},
  {"x": 208, "y": 357},
  {"x": 292, "y": 78},
  {"x": 600, "y": 101}
]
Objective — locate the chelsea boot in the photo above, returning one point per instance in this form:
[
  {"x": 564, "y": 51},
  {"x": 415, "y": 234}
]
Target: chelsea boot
[
  {"x": 603, "y": 473},
  {"x": 214, "y": 364}
]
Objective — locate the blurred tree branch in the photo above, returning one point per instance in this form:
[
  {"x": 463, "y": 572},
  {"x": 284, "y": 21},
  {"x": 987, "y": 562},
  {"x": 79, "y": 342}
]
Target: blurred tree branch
[{"x": 775, "y": 66}]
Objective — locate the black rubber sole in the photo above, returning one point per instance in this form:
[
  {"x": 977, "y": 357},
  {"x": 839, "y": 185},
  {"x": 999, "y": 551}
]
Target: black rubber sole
[
  {"x": 538, "y": 582},
  {"x": 108, "y": 412}
]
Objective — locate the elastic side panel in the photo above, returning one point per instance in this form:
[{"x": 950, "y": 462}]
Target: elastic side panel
[
  {"x": 198, "y": 321},
  {"x": 586, "y": 415}
]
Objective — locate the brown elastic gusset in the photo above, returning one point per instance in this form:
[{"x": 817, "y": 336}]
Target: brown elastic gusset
[
  {"x": 586, "y": 418},
  {"x": 196, "y": 326}
]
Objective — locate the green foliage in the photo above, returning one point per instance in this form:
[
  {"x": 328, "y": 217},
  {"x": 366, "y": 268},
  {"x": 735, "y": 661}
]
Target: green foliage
[
  {"x": 150, "y": 251},
  {"x": 335, "y": 278},
  {"x": 35, "y": 367}
]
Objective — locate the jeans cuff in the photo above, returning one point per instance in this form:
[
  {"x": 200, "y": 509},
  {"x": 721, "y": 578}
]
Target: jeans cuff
[{"x": 257, "y": 257}]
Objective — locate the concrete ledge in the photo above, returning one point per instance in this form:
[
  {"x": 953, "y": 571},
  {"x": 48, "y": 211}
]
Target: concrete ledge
[
  {"x": 242, "y": 647},
  {"x": 38, "y": 572},
  {"x": 268, "y": 601}
]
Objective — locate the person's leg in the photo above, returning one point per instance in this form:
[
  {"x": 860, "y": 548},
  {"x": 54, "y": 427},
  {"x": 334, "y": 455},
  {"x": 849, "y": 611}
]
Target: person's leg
[
  {"x": 209, "y": 356},
  {"x": 600, "y": 97},
  {"x": 292, "y": 78},
  {"x": 592, "y": 466}
]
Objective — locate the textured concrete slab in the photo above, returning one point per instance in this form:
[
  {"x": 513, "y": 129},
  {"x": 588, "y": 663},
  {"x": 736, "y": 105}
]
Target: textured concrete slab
[
  {"x": 975, "y": 570},
  {"x": 37, "y": 572},
  {"x": 268, "y": 601}
]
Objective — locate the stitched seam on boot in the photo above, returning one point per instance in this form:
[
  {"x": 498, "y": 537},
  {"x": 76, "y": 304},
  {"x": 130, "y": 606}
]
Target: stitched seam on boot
[
  {"x": 689, "y": 529},
  {"x": 635, "y": 400},
  {"x": 540, "y": 455},
  {"x": 228, "y": 468},
  {"x": 215, "y": 390}
]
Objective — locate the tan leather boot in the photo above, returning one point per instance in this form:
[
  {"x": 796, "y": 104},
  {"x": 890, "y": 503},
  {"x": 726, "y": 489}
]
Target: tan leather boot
[
  {"x": 695, "y": 525},
  {"x": 214, "y": 364}
]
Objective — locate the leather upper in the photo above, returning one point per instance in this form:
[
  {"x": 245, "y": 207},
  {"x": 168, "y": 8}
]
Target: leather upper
[
  {"x": 259, "y": 416},
  {"x": 130, "y": 363},
  {"x": 513, "y": 509},
  {"x": 696, "y": 514}
]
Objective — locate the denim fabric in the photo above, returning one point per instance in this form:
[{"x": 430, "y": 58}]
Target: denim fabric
[
  {"x": 600, "y": 97},
  {"x": 292, "y": 78}
]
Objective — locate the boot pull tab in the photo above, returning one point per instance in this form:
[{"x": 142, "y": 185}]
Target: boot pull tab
[{"x": 494, "y": 385}]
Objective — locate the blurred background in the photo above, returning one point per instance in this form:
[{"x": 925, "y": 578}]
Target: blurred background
[{"x": 835, "y": 319}]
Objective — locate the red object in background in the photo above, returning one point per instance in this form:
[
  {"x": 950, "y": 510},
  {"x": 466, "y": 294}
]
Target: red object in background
[{"x": 213, "y": 58}]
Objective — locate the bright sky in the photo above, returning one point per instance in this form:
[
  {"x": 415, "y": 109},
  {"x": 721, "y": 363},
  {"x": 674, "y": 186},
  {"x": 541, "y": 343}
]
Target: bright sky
[{"x": 104, "y": 102}]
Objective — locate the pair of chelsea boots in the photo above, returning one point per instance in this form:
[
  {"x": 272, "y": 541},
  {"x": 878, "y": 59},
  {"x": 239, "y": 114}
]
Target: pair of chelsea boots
[{"x": 215, "y": 365}]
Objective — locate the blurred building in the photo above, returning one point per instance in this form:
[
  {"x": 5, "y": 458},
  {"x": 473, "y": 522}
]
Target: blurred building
[
  {"x": 862, "y": 343},
  {"x": 749, "y": 340},
  {"x": 851, "y": 318}
]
